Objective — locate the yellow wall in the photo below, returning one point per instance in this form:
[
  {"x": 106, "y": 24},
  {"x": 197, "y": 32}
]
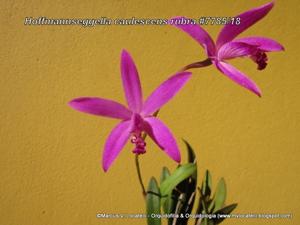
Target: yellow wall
[{"x": 50, "y": 154}]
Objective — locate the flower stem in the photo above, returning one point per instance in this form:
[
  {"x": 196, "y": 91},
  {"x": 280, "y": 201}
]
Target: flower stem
[
  {"x": 203, "y": 63},
  {"x": 137, "y": 165},
  {"x": 138, "y": 170}
]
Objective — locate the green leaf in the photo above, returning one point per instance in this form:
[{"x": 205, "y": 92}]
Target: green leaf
[
  {"x": 204, "y": 198},
  {"x": 180, "y": 174},
  {"x": 226, "y": 210},
  {"x": 153, "y": 202},
  {"x": 219, "y": 197},
  {"x": 206, "y": 184},
  {"x": 164, "y": 174},
  {"x": 191, "y": 153},
  {"x": 168, "y": 205}
]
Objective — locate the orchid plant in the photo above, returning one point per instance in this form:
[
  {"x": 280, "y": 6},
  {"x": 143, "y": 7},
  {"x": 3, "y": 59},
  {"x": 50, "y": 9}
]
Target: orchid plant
[{"x": 176, "y": 191}]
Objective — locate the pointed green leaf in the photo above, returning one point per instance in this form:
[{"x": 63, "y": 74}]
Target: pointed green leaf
[
  {"x": 191, "y": 153},
  {"x": 219, "y": 197},
  {"x": 164, "y": 174},
  {"x": 153, "y": 202},
  {"x": 226, "y": 210},
  {"x": 167, "y": 206},
  {"x": 204, "y": 198},
  {"x": 180, "y": 174},
  {"x": 206, "y": 184}
]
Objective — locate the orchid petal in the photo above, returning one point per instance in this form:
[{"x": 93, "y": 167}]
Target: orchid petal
[
  {"x": 131, "y": 82},
  {"x": 235, "y": 49},
  {"x": 264, "y": 44},
  {"x": 165, "y": 92},
  {"x": 247, "y": 19},
  {"x": 163, "y": 137},
  {"x": 115, "y": 142},
  {"x": 238, "y": 77},
  {"x": 100, "y": 107},
  {"x": 197, "y": 33}
]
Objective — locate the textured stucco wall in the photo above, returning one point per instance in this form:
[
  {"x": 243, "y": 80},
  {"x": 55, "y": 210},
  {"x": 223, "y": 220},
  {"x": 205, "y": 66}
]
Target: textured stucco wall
[{"x": 50, "y": 155}]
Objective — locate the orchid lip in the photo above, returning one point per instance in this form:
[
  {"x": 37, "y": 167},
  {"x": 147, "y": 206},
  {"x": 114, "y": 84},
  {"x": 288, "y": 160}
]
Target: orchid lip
[
  {"x": 261, "y": 58},
  {"x": 136, "y": 134},
  {"x": 139, "y": 142}
]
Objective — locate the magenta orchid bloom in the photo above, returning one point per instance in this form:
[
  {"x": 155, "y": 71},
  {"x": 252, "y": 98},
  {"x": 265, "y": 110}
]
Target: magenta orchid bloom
[
  {"x": 226, "y": 47},
  {"x": 138, "y": 117}
]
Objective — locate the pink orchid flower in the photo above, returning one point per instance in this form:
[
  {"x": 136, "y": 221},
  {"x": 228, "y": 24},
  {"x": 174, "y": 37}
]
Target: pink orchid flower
[
  {"x": 138, "y": 117},
  {"x": 226, "y": 47}
]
